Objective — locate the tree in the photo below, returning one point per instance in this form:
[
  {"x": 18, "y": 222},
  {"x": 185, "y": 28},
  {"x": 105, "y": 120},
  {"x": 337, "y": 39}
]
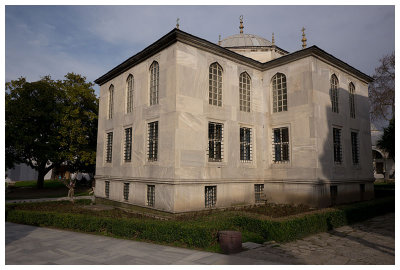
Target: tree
[
  {"x": 381, "y": 91},
  {"x": 387, "y": 141},
  {"x": 49, "y": 123}
]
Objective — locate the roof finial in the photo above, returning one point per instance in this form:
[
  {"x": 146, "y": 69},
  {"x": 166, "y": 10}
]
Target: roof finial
[
  {"x": 304, "y": 40},
  {"x": 219, "y": 40},
  {"x": 241, "y": 24},
  {"x": 177, "y": 23},
  {"x": 273, "y": 39}
]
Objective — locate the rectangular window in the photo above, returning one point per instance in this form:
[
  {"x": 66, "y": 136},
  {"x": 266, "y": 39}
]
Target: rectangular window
[
  {"x": 215, "y": 141},
  {"x": 107, "y": 189},
  {"x": 151, "y": 195},
  {"x": 126, "y": 191},
  {"x": 354, "y": 147},
  {"x": 362, "y": 191},
  {"x": 334, "y": 194},
  {"x": 210, "y": 196},
  {"x": 337, "y": 146},
  {"x": 281, "y": 144},
  {"x": 109, "y": 147},
  {"x": 128, "y": 145},
  {"x": 153, "y": 141},
  {"x": 258, "y": 191},
  {"x": 245, "y": 144}
]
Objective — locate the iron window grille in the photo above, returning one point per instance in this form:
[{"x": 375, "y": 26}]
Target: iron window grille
[
  {"x": 154, "y": 83},
  {"x": 151, "y": 195},
  {"x": 351, "y": 100},
  {"x": 215, "y": 141},
  {"x": 210, "y": 196},
  {"x": 337, "y": 146},
  {"x": 110, "y": 101},
  {"x": 107, "y": 189},
  {"x": 215, "y": 85},
  {"x": 128, "y": 145},
  {"x": 281, "y": 145},
  {"x": 245, "y": 144},
  {"x": 258, "y": 191},
  {"x": 152, "y": 141},
  {"x": 244, "y": 92},
  {"x": 334, "y": 94},
  {"x": 126, "y": 191},
  {"x": 109, "y": 147},
  {"x": 129, "y": 94},
  {"x": 354, "y": 148},
  {"x": 279, "y": 93}
]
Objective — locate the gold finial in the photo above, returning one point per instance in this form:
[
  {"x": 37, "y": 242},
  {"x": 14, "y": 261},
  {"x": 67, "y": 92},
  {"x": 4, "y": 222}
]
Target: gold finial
[
  {"x": 304, "y": 40},
  {"x": 219, "y": 40},
  {"x": 273, "y": 39},
  {"x": 241, "y": 24},
  {"x": 177, "y": 23}
]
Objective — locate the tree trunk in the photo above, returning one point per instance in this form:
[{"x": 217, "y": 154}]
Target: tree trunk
[{"x": 40, "y": 180}]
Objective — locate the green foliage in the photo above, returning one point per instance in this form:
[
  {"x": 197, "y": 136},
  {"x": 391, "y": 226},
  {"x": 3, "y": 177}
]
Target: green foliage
[{"x": 387, "y": 141}]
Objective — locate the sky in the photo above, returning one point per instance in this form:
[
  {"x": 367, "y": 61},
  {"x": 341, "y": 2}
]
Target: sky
[{"x": 91, "y": 40}]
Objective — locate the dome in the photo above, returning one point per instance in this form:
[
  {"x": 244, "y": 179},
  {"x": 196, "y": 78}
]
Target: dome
[{"x": 245, "y": 40}]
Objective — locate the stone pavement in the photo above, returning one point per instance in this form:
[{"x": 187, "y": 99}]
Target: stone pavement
[
  {"x": 48, "y": 199},
  {"x": 35, "y": 245},
  {"x": 369, "y": 242}
]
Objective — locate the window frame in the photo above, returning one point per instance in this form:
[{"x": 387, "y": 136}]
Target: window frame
[
  {"x": 246, "y": 144},
  {"x": 107, "y": 189},
  {"x": 281, "y": 145},
  {"x": 215, "y": 84},
  {"x": 126, "y": 191},
  {"x": 334, "y": 93},
  {"x": 210, "y": 192},
  {"x": 154, "y": 84},
  {"x": 213, "y": 141},
  {"x": 279, "y": 105},
  {"x": 110, "y": 101},
  {"x": 109, "y": 146},
  {"x": 152, "y": 141},
  {"x": 129, "y": 93},
  {"x": 258, "y": 192},
  {"x": 337, "y": 146},
  {"x": 355, "y": 149},
  {"x": 151, "y": 195},
  {"x": 244, "y": 92},
  {"x": 128, "y": 145},
  {"x": 352, "y": 103}
]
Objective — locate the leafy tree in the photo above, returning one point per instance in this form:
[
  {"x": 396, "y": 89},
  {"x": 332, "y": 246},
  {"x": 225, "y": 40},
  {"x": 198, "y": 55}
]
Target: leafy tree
[
  {"x": 49, "y": 123},
  {"x": 387, "y": 141},
  {"x": 381, "y": 91}
]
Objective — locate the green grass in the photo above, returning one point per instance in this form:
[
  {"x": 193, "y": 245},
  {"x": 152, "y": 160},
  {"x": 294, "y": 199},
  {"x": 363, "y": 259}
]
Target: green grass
[{"x": 33, "y": 183}]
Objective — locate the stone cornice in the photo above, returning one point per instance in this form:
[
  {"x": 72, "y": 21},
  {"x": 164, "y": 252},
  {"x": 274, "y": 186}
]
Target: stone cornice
[{"x": 177, "y": 35}]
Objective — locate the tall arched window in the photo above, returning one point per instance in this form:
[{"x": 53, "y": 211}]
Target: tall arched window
[
  {"x": 129, "y": 94},
  {"x": 351, "y": 100},
  {"x": 215, "y": 85},
  {"x": 110, "y": 101},
  {"x": 244, "y": 91},
  {"x": 279, "y": 93},
  {"x": 334, "y": 93},
  {"x": 154, "y": 83}
]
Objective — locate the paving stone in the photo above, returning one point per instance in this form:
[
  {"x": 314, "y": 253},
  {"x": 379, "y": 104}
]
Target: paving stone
[{"x": 250, "y": 245}]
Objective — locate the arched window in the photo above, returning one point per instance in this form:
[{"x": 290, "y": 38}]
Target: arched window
[
  {"x": 334, "y": 93},
  {"x": 244, "y": 91},
  {"x": 279, "y": 93},
  {"x": 154, "y": 83},
  {"x": 351, "y": 100},
  {"x": 215, "y": 85},
  {"x": 129, "y": 94},
  {"x": 110, "y": 101}
]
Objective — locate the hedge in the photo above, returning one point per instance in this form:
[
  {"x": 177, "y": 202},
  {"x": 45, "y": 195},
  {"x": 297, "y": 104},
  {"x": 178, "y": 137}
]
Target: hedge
[{"x": 203, "y": 234}]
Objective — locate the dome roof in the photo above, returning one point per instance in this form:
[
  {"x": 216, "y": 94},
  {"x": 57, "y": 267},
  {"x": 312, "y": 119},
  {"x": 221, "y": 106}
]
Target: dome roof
[{"x": 245, "y": 40}]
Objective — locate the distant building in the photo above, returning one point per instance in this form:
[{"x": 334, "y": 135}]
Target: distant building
[
  {"x": 384, "y": 167},
  {"x": 187, "y": 124},
  {"x": 22, "y": 172}
]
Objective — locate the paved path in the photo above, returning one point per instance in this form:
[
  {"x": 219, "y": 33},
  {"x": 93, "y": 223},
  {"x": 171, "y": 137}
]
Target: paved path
[
  {"x": 35, "y": 245},
  {"x": 48, "y": 199},
  {"x": 369, "y": 242}
]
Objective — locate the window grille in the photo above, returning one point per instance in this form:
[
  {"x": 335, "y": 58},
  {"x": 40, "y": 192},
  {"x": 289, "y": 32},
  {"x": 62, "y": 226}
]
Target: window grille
[
  {"x": 126, "y": 191},
  {"x": 110, "y": 101},
  {"x": 128, "y": 145},
  {"x": 154, "y": 83},
  {"x": 258, "y": 191},
  {"x": 279, "y": 93},
  {"x": 153, "y": 141},
  {"x": 151, "y": 195},
  {"x": 215, "y": 85},
  {"x": 354, "y": 148},
  {"x": 334, "y": 94},
  {"x": 210, "y": 196},
  {"x": 215, "y": 141},
  {"x": 245, "y": 144},
  {"x": 129, "y": 94},
  {"x": 334, "y": 194},
  {"x": 281, "y": 145},
  {"x": 351, "y": 100},
  {"x": 337, "y": 146},
  {"x": 107, "y": 189},
  {"x": 109, "y": 147},
  {"x": 244, "y": 92}
]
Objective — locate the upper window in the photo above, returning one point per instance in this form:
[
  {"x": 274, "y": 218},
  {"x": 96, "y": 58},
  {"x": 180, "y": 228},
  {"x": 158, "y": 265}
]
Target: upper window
[
  {"x": 110, "y": 101},
  {"x": 154, "y": 83},
  {"x": 351, "y": 101},
  {"x": 215, "y": 141},
  {"x": 279, "y": 92},
  {"x": 281, "y": 144},
  {"x": 244, "y": 92},
  {"x": 215, "y": 85},
  {"x": 334, "y": 94},
  {"x": 129, "y": 94}
]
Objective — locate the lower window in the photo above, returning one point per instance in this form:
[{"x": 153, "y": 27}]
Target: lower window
[
  {"x": 107, "y": 189},
  {"x": 151, "y": 195},
  {"x": 126, "y": 191},
  {"x": 334, "y": 193},
  {"x": 258, "y": 191},
  {"x": 210, "y": 196}
]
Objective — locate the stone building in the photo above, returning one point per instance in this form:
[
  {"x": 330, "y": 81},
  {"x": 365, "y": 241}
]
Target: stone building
[{"x": 187, "y": 125}]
